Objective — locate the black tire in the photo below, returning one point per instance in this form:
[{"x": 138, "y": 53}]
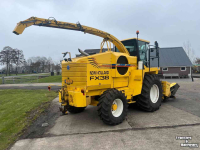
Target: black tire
[
  {"x": 144, "y": 99},
  {"x": 75, "y": 110},
  {"x": 105, "y": 107}
]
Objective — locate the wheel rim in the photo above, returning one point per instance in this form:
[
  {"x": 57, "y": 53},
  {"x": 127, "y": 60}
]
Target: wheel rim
[
  {"x": 117, "y": 107},
  {"x": 154, "y": 93}
]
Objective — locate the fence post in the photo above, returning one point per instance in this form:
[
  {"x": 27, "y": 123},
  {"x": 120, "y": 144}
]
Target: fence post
[
  {"x": 3, "y": 80},
  {"x": 191, "y": 74}
]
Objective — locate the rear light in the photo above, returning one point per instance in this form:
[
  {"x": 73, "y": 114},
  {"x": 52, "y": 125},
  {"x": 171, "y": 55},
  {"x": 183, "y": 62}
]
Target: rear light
[
  {"x": 49, "y": 88},
  {"x": 82, "y": 91}
]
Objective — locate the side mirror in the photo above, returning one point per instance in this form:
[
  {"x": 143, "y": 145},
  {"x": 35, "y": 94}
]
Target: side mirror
[
  {"x": 157, "y": 49},
  {"x": 156, "y": 44}
]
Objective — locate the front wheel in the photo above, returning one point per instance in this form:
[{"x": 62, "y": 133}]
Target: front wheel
[
  {"x": 151, "y": 96},
  {"x": 112, "y": 107}
]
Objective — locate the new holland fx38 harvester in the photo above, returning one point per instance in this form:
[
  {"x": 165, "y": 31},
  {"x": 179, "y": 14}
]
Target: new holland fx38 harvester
[{"x": 109, "y": 80}]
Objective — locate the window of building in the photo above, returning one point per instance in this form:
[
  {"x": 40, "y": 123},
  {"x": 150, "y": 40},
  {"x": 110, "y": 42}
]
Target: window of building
[
  {"x": 165, "y": 69},
  {"x": 183, "y": 68}
]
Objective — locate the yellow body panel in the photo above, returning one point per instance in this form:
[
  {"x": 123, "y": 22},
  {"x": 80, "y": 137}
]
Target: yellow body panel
[
  {"x": 77, "y": 99},
  {"x": 95, "y": 74},
  {"x": 60, "y": 96},
  {"x": 166, "y": 88},
  {"x": 120, "y": 82}
]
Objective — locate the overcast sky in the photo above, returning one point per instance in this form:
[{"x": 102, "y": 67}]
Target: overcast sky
[{"x": 170, "y": 22}]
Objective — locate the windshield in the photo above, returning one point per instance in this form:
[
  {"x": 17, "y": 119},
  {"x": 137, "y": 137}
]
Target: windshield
[{"x": 131, "y": 47}]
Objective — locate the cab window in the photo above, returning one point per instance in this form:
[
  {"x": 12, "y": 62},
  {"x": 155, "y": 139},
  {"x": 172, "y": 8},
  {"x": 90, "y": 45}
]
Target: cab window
[
  {"x": 130, "y": 46},
  {"x": 143, "y": 47}
]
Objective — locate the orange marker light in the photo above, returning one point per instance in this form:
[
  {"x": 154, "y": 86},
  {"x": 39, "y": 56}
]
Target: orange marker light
[
  {"x": 137, "y": 32},
  {"x": 82, "y": 91},
  {"x": 49, "y": 88}
]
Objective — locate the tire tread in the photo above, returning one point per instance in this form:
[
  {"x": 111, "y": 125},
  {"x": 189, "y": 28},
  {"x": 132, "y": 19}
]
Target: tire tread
[
  {"x": 104, "y": 105},
  {"x": 143, "y": 99}
]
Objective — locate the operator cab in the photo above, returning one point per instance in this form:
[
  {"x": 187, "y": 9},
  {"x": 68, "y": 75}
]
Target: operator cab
[{"x": 139, "y": 51}]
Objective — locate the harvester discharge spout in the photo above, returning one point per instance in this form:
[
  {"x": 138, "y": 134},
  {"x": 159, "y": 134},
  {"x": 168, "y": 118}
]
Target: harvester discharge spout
[
  {"x": 173, "y": 89},
  {"x": 169, "y": 89}
]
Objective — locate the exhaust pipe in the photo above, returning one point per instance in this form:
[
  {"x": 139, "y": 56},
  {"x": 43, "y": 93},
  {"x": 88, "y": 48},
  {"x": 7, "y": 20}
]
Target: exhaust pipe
[{"x": 83, "y": 53}]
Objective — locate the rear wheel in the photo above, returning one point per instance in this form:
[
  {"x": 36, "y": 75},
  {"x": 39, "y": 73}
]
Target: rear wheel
[
  {"x": 151, "y": 96},
  {"x": 112, "y": 107},
  {"x": 74, "y": 110}
]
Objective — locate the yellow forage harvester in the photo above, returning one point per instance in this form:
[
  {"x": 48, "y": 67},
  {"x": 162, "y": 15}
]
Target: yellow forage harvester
[{"x": 109, "y": 80}]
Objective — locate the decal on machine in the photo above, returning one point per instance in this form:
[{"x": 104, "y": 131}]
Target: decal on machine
[
  {"x": 99, "y": 75},
  {"x": 103, "y": 75},
  {"x": 94, "y": 63},
  {"x": 68, "y": 67},
  {"x": 68, "y": 81}
]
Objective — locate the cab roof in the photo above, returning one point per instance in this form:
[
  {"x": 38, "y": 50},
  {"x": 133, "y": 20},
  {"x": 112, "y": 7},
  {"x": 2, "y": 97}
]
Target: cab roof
[{"x": 136, "y": 39}]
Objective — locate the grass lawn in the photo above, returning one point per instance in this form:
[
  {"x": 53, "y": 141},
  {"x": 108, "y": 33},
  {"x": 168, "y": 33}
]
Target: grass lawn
[
  {"x": 19, "y": 74},
  {"x": 18, "y": 108},
  {"x": 49, "y": 79},
  {"x": 19, "y": 79},
  {"x": 10, "y": 75},
  {"x": 32, "y": 79}
]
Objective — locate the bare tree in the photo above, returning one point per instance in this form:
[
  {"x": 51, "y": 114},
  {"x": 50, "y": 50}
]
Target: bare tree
[
  {"x": 18, "y": 58},
  {"x": 197, "y": 60},
  {"x": 24, "y": 66},
  {"x": 57, "y": 67},
  {"x": 7, "y": 57},
  {"x": 189, "y": 50},
  {"x": 43, "y": 62},
  {"x": 50, "y": 64},
  {"x": 35, "y": 64},
  {"x": 28, "y": 65}
]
